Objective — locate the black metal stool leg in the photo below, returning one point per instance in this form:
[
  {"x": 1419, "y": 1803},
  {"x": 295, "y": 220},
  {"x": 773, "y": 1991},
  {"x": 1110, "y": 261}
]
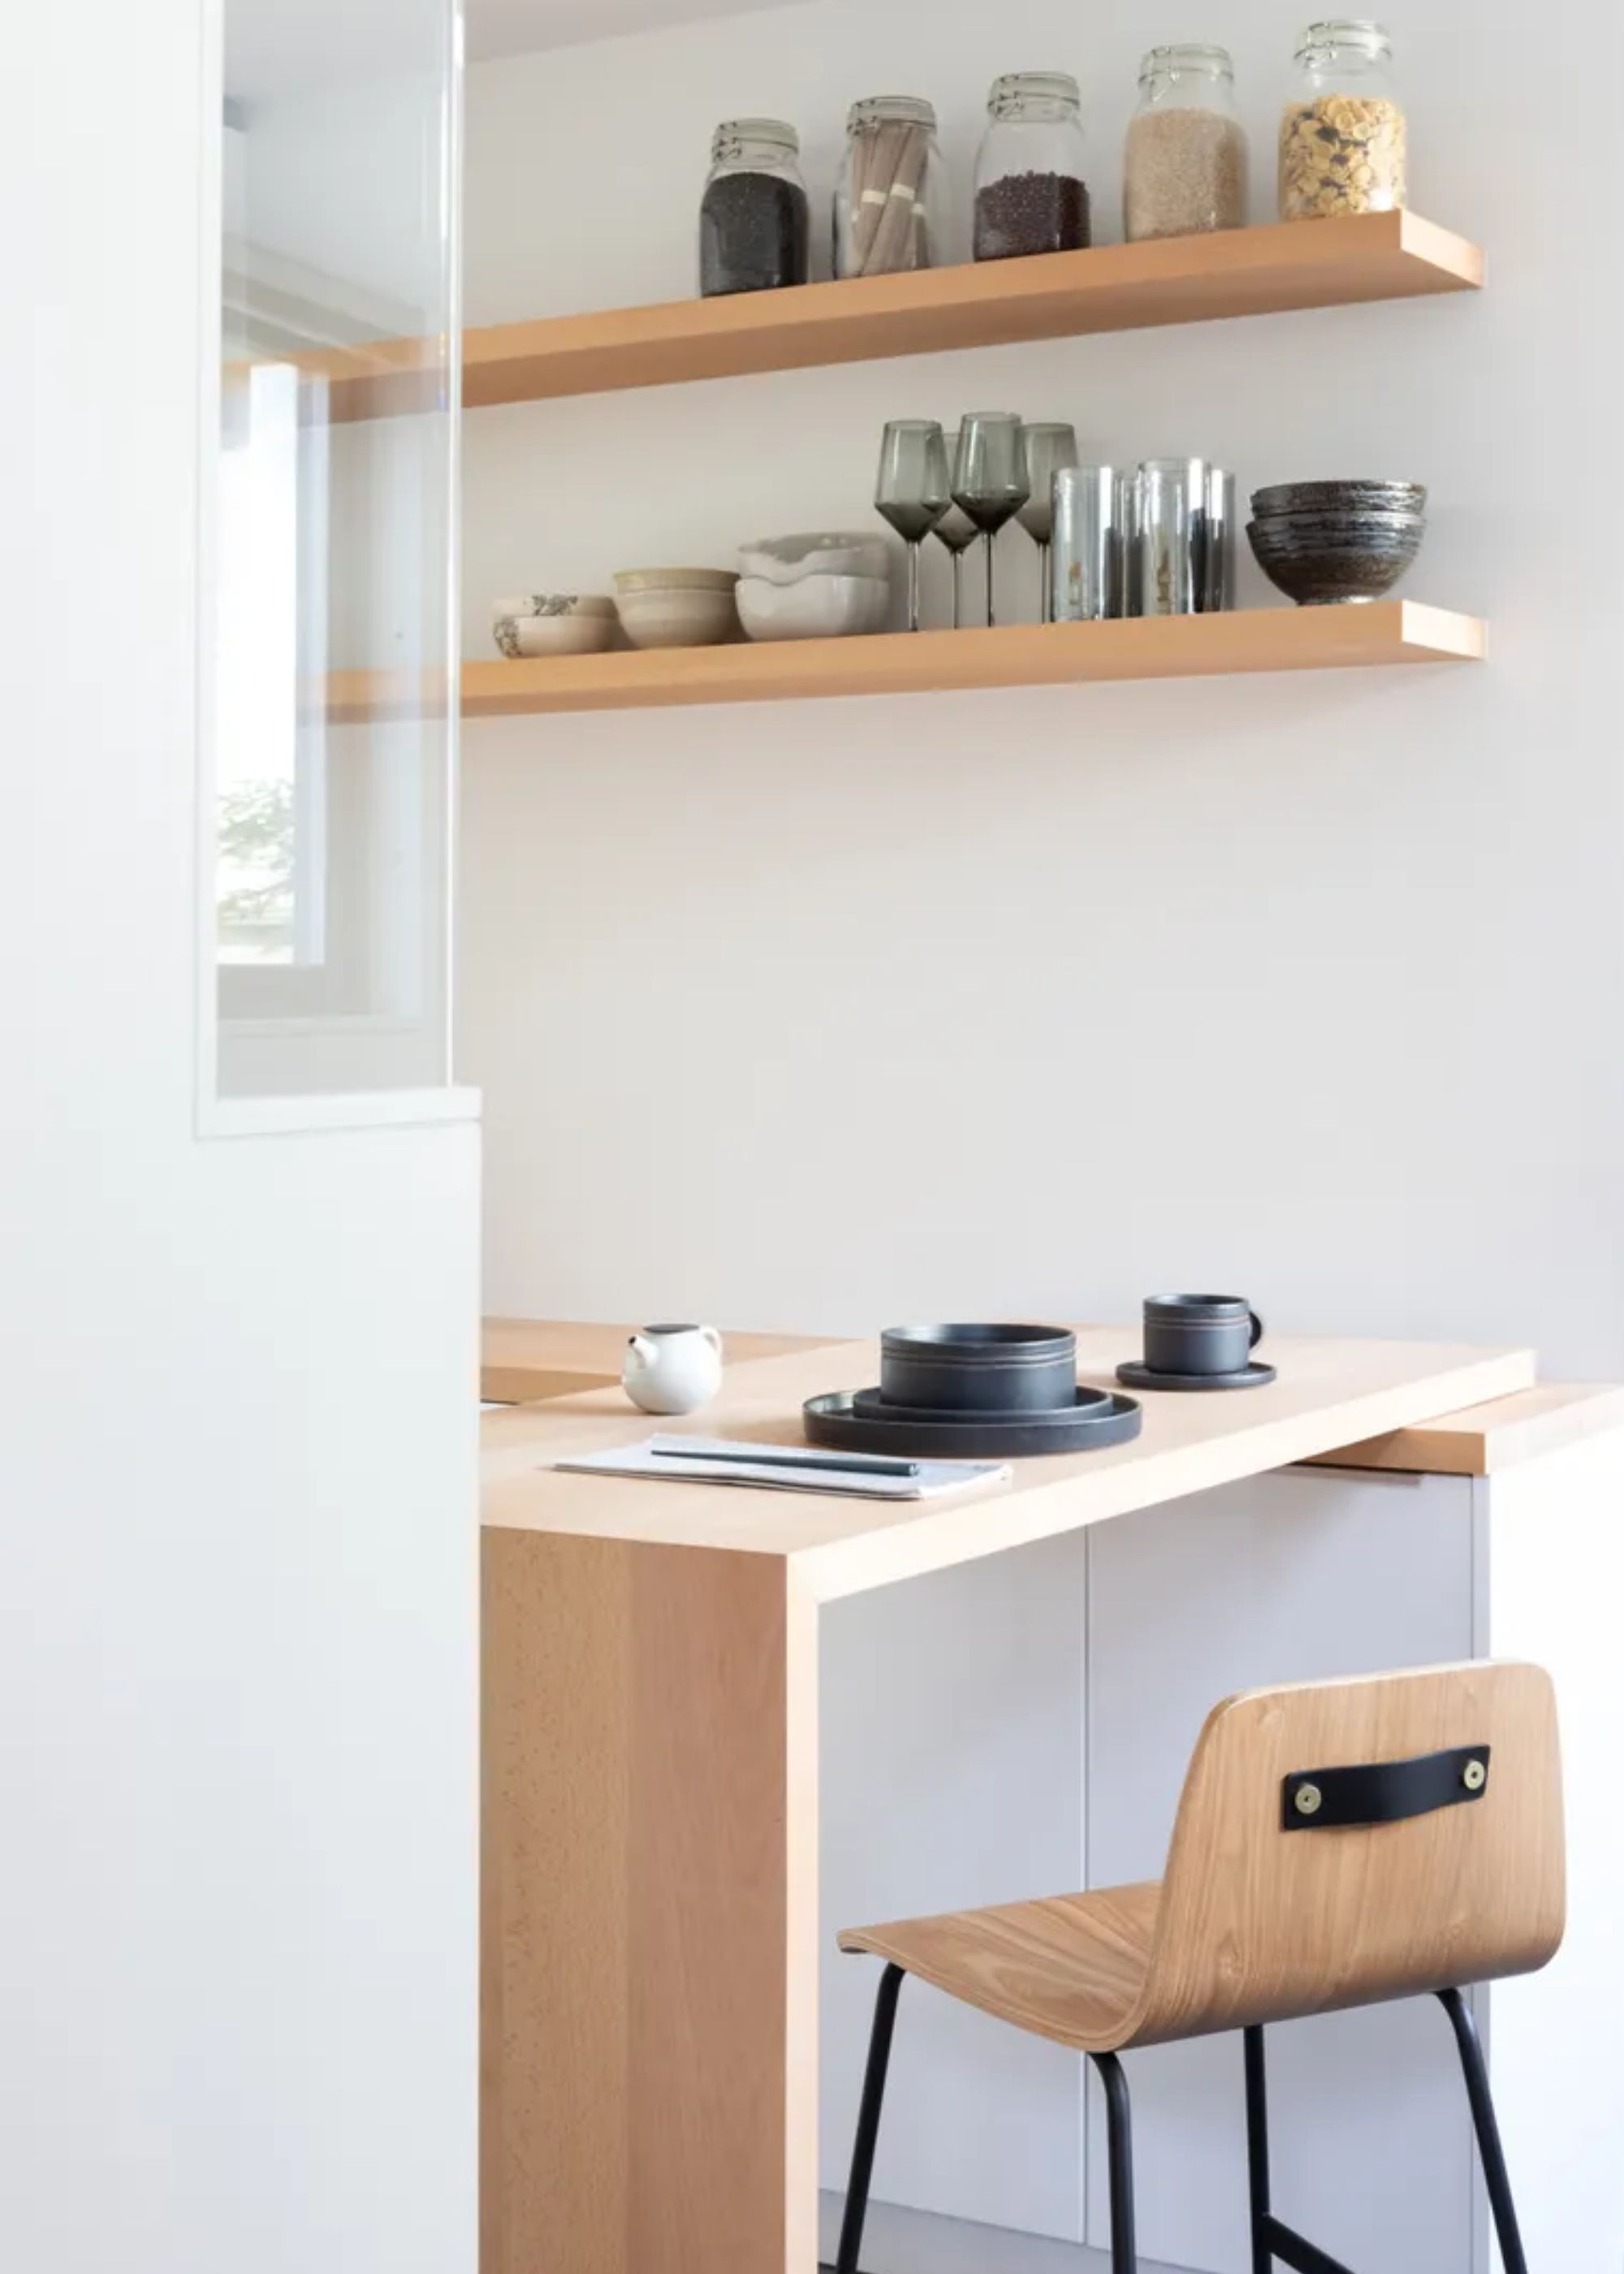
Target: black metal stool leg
[
  {"x": 868, "y": 2121},
  {"x": 1258, "y": 2151},
  {"x": 1119, "y": 2135},
  {"x": 1487, "y": 2130}
]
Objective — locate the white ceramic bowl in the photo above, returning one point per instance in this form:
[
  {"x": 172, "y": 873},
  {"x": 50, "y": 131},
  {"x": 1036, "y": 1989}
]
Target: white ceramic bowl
[
  {"x": 527, "y": 636},
  {"x": 818, "y": 607},
  {"x": 553, "y": 604},
  {"x": 822, "y": 553}
]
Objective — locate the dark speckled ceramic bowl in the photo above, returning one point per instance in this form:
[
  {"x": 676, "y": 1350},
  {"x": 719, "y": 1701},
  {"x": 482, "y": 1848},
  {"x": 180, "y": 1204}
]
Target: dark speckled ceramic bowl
[
  {"x": 1404, "y": 497},
  {"x": 1316, "y": 572}
]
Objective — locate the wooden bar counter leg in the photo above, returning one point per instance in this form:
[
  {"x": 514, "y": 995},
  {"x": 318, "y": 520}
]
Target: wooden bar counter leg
[{"x": 649, "y": 1998}]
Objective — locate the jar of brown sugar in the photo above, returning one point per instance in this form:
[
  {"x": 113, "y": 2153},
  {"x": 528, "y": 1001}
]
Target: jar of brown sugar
[
  {"x": 1342, "y": 136},
  {"x": 1184, "y": 168}
]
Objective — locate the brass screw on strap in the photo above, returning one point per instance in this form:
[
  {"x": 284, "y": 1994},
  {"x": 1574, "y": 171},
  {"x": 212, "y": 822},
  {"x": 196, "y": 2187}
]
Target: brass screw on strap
[
  {"x": 1307, "y": 1800},
  {"x": 1474, "y": 1776}
]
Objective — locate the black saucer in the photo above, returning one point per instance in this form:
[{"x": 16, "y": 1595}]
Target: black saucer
[
  {"x": 874, "y": 1406},
  {"x": 1136, "y": 1375},
  {"x": 835, "y": 1421}
]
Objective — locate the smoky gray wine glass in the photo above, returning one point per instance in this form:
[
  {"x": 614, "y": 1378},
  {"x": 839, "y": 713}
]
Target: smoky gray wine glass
[
  {"x": 913, "y": 490},
  {"x": 991, "y": 481},
  {"x": 957, "y": 532},
  {"x": 1049, "y": 449}
]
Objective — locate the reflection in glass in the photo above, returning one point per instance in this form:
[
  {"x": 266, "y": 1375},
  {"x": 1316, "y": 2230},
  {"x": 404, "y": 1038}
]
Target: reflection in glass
[{"x": 333, "y": 660}]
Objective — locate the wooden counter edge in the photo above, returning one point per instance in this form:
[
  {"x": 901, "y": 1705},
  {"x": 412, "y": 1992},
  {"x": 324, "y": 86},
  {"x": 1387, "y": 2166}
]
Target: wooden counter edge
[
  {"x": 523, "y": 1361},
  {"x": 1485, "y": 1439}
]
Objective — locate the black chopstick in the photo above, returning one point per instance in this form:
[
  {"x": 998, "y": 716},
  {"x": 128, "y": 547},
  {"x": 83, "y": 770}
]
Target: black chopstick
[{"x": 860, "y": 1464}]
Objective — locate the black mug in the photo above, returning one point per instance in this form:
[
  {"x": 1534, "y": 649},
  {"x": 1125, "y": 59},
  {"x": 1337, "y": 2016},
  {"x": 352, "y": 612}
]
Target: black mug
[{"x": 1200, "y": 1334}]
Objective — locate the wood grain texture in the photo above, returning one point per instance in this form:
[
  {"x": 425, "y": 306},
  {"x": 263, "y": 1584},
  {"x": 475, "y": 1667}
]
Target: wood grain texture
[
  {"x": 523, "y": 1360},
  {"x": 1328, "y": 1394},
  {"x": 1486, "y": 1440},
  {"x": 1245, "y": 271},
  {"x": 1253, "y": 1923},
  {"x": 648, "y": 2038},
  {"x": 1242, "y": 641}
]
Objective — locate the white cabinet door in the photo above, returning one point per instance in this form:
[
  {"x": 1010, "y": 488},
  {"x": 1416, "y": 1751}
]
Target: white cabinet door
[{"x": 1304, "y": 1574}]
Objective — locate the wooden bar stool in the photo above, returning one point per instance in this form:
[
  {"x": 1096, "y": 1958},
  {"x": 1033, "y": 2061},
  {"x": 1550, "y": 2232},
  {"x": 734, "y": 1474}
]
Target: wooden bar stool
[{"x": 1337, "y": 1844}]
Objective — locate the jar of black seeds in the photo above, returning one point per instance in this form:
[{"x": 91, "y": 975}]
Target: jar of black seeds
[
  {"x": 1031, "y": 194},
  {"x": 754, "y": 221}
]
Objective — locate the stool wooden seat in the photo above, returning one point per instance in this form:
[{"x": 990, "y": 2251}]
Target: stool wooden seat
[{"x": 1337, "y": 1844}]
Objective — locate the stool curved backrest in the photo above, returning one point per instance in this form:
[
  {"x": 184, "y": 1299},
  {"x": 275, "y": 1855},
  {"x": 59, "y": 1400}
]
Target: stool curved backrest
[{"x": 1271, "y": 1910}]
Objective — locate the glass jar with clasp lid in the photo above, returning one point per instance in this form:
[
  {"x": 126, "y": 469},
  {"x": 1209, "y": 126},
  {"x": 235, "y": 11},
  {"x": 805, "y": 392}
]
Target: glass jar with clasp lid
[
  {"x": 1031, "y": 194},
  {"x": 1184, "y": 166},
  {"x": 1343, "y": 136},
  {"x": 889, "y": 203},
  {"x": 755, "y": 222}
]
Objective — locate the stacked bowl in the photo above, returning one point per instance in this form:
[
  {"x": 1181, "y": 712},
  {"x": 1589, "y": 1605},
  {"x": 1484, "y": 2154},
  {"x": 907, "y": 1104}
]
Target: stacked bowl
[
  {"x": 1326, "y": 542},
  {"x": 553, "y": 623},
  {"x": 826, "y": 586},
  {"x": 677, "y": 607}
]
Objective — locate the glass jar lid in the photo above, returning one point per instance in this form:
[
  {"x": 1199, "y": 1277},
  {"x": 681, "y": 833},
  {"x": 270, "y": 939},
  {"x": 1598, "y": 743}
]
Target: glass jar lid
[
  {"x": 735, "y": 138},
  {"x": 1357, "y": 35},
  {"x": 890, "y": 110},
  {"x": 1017, "y": 91},
  {"x": 1174, "y": 61}
]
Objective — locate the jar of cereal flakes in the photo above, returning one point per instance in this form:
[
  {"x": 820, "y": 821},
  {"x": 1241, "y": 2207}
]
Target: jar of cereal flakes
[{"x": 1343, "y": 134}]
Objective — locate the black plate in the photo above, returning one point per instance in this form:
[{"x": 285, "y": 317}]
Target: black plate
[
  {"x": 835, "y": 1421},
  {"x": 873, "y": 1405},
  {"x": 1136, "y": 1376}
]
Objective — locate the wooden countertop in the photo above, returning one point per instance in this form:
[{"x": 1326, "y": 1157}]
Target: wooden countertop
[{"x": 1329, "y": 1395}]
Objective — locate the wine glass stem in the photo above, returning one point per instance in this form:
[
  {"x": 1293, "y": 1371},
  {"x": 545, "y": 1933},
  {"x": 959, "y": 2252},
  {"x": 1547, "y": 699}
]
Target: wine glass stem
[
  {"x": 987, "y": 552},
  {"x": 958, "y": 592},
  {"x": 1049, "y": 590},
  {"x": 914, "y": 553}
]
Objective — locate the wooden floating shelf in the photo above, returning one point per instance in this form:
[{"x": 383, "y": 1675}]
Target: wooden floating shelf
[
  {"x": 1114, "y": 288},
  {"x": 945, "y": 662}
]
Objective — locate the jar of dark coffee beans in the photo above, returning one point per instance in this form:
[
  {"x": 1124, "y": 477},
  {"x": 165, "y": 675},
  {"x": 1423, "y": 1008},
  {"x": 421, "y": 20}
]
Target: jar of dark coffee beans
[
  {"x": 755, "y": 222},
  {"x": 1030, "y": 192}
]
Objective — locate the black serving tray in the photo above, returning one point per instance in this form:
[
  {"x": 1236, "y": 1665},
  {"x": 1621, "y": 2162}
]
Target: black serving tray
[{"x": 1096, "y": 1420}]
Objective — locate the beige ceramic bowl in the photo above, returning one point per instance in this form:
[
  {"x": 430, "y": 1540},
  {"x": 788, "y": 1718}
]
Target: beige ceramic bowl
[
  {"x": 574, "y": 635},
  {"x": 677, "y": 607}
]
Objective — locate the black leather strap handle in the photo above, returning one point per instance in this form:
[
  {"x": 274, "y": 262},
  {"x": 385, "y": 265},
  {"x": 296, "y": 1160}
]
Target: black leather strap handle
[{"x": 1383, "y": 1792}]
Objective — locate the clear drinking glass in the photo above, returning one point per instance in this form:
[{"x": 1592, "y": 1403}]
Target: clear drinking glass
[
  {"x": 957, "y": 532},
  {"x": 990, "y": 480},
  {"x": 913, "y": 490},
  {"x": 1048, "y": 448}
]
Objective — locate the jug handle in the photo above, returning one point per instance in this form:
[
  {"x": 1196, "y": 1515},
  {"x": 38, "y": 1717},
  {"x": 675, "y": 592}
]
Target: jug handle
[{"x": 713, "y": 1338}]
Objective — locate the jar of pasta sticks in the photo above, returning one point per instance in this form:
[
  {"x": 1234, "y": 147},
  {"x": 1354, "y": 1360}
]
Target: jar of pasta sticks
[{"x": 890, "y": 200}]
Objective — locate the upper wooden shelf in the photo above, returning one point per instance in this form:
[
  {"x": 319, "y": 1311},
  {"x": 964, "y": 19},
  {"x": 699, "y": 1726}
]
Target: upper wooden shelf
[{"x": 1115, "y": 288}]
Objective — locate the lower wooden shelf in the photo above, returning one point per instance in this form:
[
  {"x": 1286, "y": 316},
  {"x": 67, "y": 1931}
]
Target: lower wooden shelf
[
  {"x": 931, "y": 662},
  {"x": 1019, "y": 655}
]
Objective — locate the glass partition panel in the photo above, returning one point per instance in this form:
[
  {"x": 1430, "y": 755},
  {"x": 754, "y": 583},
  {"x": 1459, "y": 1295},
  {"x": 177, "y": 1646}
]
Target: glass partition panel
[{"x": 331, "y": 665}]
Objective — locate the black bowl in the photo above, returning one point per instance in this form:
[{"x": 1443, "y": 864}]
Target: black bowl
[
  {"x": 1316, "y": 574},
  {"x": 1312, "y": 518},
  {"x": 1406, "y": 496},
  {"x": 979, "y": 1369}
]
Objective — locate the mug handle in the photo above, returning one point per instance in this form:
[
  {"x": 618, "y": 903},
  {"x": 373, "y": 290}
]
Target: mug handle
[
  {"x": 713, "y": 1338},
  {"x": 1257, "y": 1330}
]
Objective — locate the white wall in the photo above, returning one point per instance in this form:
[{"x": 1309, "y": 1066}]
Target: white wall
[
  {"x": 1024, "y": 1003},
  {"x": 236, "y": 1552}
]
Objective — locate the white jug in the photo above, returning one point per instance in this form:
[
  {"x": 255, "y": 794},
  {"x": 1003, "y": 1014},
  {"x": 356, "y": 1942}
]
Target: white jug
[{"x": 673, "y": 1369}]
